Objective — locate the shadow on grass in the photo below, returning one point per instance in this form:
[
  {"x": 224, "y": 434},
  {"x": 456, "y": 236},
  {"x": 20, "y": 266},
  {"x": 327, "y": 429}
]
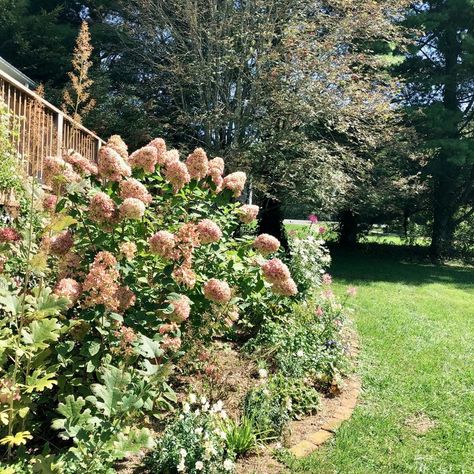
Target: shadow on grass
[{"x": 373, "y": 262}]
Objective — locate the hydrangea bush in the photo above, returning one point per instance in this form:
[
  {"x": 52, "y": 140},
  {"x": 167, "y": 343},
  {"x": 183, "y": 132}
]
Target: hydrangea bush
[{"x": 141, "y": 256}]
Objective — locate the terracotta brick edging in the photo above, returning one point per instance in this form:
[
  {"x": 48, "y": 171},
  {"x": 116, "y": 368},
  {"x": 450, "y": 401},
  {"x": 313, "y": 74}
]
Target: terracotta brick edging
[{"x": 313, "y": 440}]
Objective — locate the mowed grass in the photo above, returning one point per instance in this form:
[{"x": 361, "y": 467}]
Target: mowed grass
[{"x": 416, "y": 328}]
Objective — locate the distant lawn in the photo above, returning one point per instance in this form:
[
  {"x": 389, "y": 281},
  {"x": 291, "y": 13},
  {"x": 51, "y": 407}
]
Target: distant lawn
[{"x": 416, "y": 324}]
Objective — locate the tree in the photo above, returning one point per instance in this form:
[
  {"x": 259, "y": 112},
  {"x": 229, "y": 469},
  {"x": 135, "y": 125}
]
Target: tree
[
  {"x": 440, "y": 95},
  {"x": 76, "y": 98}
]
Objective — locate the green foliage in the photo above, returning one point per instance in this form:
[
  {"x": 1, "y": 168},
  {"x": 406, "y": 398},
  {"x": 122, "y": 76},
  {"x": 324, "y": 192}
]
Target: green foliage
[
  {"x": 241, "y": 437},
  {"x": 193, "y": 442}
]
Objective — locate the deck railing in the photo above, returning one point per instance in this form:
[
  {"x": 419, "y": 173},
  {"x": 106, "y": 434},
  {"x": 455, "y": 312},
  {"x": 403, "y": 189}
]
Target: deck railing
[{"x": 42, "y": 129}]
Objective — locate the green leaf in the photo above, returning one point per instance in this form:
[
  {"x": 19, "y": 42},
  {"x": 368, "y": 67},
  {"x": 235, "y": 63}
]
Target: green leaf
[
  {"x": 43, "y": 303},
  {"x": 37, "y": 382},
  {"x": 40, "y": 332},
  {"x": 110, "y": 394},
  {"x": 61, "y": 222},
  {"x": 149, "y": 348},
  {"x": 75, "y": 419}
]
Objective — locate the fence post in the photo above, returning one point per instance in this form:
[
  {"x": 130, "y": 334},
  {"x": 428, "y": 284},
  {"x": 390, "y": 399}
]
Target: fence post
[{"x": 59, "y": 125}]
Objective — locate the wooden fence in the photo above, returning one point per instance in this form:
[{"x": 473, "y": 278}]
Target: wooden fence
[{"x": 42, "y": 129}]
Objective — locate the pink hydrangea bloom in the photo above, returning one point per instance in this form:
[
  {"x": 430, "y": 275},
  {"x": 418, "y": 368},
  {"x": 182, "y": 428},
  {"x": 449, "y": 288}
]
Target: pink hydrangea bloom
[
  {"x": 266, "y": 244},
  {"x": 82, "y": 165},
  {"x": 163, "y": 243},
  {"x": 177, "y": 174},
  {"x": 167, "y": 328},
  {"x": 57, "y": 173},
  {"x": 217, "y": 291},
  {"x": 100, "y": 283},
  {"x": 275, "y": 271},
  {"x": 112, "y": 166},
  {"x": 235, "y": 182},
  {"x": 8, "y": 234},
  {"x": 313, "y": 218},
  {"x": 171, "y": 156},
  {"x": 68, "y": 288},
  {"x": 248, "y": 213},
  {"x": 319, "y": 311},
  {"x": 61, "y": 243},
  {"x": 101, "y": 208},
  {"x": 160, "y": 146},
  {"x": 184, "y": 275},
  {"x": 128, "y": 250},
  {"x": 197, "y": 164},
  {"x": 209, "y": 231},
  {"x": 69, "y": 265},
  {"x": 285, "y": 288},
  {"x": 132, "y": 208},
  {"x": 171, "y": 343},
  {"x": 49, "y": 202},
  {"x": 182, "y": 309},
  {"x": 117, "y": 144},
  {"x": 132, "y": 188},
  {"x": 216, "y": 170},
  {"x": 145, "y": 158}
]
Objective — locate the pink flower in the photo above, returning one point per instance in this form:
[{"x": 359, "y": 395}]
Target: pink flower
[
  {"x": 184, "y": 275},
  {"x": 352, "y": 291},
  {"x": 61, "y": 243},
  {"x": 69, "y": 265},
  {"x": 128, "y": 250},
  {"x": 197, "y": 164},
  {"x": 117, "y": 144},
  {"x": 216, "y": 169},
  {"x": 322, "y": 229},
  {"x": 248, "y": 213},
  {"x": 145, "y": 158},
  {"x": 327, "y": 279},
  {"x": 101, "y": 208},
  {"x": 313, "y": 218},
  {"x": 275, "y": 271},
  {"x": 111, "y": 165},
  {"x": 328, "y": 294},
  {"x": 171, "y": 156},
  {"x": 319, "y": 311},
  {"x": 167, "y": 328},
  {"x": 100, "y": 283},
  {"x": 49, "y": 202},
  {"x": 171, "y": 343},
  {"x": 235, "y": 182},
  {"x": 132, "y": 208},
  {"x": 266, "y": 244},
  {"x": 132, "y": 188},
  {"x": 182, "y": 309},
  {"x": 217, "y": 291},
  {"x": 163, "y": 244},
  {"x": 82, "y": 165},
  {"x": 160, "y": 146},
  {"x": 209, "y": 231},
  {"x": 8, "y": 234},
  {"x": 68, "y": 288},
  {"x": 285, "y": 288},
  {"x": 58, "y": 173},
  {"x": 177, "y": 174}
]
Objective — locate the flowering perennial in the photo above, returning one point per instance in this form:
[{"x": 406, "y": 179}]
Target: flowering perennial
[
  {"x": 197, "y": 164},
  {"x": 266, "y": 244},
  {"x": 217, "y": 291},
  {"x": 209, "y": 231},
  {"x": 112, "y": 166},
  {"x": 132, "y": 208},
  {"x": 235, "y": 182},
  {"x": 132, "y": 188},
  {"x": 145, "y": 158},
  {"x": 248, "y": 213}
]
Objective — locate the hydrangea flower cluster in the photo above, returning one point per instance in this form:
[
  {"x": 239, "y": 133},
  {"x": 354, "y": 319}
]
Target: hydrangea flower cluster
[
  {"x": 117, "y": 144},
  {"x": 60, "y": 244},
  {"x": 81, "y": 165},
  {"x": 182, "y": 309},
  {"x": 209, "y": 231},
  {"x": 132, "y": 188},
  {"x": 163, "y": 243},
  {"x": 57, "y": 173},
  {"x": 197, "y": 164},
  {"x": 145, "y": 158},
  {"x": 112, "y": 166},
  {"x": 177, "y": 174},
  {"x": 101, "y": 208},
  {"x": 8, "y": 234},
  {"x": 216, "y": 170},
  {"x": 248, "y": 213},
  {"x": 217, "y": 291},
  {"x": 68, "y": 288},
  {"x": 235, "y": 182},
  {"x": 266, "y": 244},
  {"x": 278, "y": 274},
  {"x": 132, "y": 208},
  {"x": 128, "y": 250}
]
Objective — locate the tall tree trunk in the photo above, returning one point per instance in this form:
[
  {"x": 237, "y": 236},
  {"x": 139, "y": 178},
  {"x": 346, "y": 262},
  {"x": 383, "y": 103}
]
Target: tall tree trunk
[
  {"x": 271, "y": 220},
  {"x": 444, "y": 190},
  {"x": 348, "y": 228}
]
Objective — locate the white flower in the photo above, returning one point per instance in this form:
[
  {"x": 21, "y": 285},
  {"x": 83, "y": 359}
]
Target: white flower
[
  {"x": 278, "y": 445},
  {"x": 289, "y": 404},
  {"x": 203, "y": 400},
  {"x": 228, "y": 465},
  {"x": 221, "y": 434},
  {"x": 186, "y": 407},
  {"x": 181, "y": 466},
  {"x": 300, "y": 353},
  {"x": 192, "y": 398},
  {"x": 266, "y": 392},
  {"x": 205, "y": 407},
  {"x": 183, "y": 453},
  {"x": 199, "y": 466},
  {"x": 217, "y": 406},
  {"x": 262, "y": 373},
  {"x": 198, "y": 431},
  {"x": 181, "y": 416},
  {"x": 197, "y": 412},
  {"x": 223, "y": 414}
]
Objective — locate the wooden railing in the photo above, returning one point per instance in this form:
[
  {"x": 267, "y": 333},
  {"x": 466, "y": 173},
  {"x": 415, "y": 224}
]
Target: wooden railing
[{"x": 42, "y": 129}]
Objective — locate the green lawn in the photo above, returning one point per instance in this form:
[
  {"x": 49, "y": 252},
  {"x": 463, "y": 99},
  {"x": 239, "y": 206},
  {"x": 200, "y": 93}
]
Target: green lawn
[{"x": 416, "y": 324}]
